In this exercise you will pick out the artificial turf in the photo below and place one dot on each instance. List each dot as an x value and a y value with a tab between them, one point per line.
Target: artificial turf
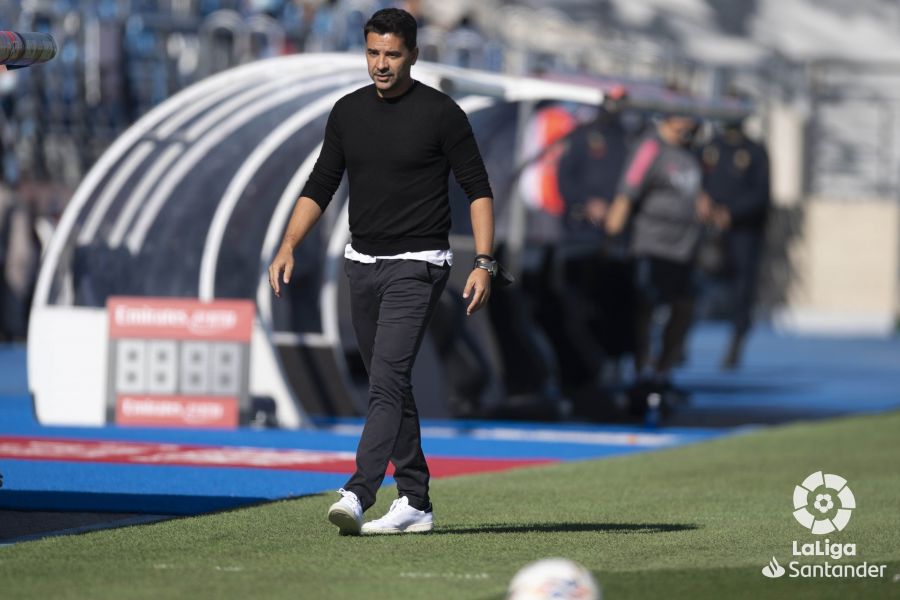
692	522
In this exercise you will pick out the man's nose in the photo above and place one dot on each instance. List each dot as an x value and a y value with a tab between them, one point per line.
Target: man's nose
381	63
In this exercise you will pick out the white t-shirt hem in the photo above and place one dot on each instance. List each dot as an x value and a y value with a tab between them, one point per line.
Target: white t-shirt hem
435	257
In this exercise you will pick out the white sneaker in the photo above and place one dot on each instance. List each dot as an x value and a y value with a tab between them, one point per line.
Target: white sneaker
346	513
401	518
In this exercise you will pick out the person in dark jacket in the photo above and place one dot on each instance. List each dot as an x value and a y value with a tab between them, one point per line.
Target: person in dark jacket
598	305
736	178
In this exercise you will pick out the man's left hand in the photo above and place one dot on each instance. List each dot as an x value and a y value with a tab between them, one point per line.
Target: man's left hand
595	210
721	218
478	287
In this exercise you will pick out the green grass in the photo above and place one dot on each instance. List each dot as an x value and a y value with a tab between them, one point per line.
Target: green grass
693	522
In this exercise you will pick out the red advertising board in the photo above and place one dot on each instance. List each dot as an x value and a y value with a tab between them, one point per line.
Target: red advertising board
182	319
168	411
178	362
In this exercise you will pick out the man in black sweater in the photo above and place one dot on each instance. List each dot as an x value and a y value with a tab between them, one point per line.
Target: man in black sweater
398	140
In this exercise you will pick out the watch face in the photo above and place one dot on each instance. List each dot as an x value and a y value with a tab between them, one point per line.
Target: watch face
489	266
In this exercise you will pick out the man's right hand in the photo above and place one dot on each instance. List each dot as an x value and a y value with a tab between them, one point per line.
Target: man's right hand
282	263
704	208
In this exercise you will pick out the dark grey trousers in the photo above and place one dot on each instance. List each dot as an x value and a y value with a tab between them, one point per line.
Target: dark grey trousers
391	302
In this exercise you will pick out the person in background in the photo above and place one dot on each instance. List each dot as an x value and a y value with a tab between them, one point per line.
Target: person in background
591	165
5	293
597	273
660	195
415	8
19	258
736	178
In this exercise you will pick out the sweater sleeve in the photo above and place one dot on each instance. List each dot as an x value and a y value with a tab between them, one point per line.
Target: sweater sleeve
328	171
461	149
637	172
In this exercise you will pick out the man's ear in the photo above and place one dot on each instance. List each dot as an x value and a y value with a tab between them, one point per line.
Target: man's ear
415	55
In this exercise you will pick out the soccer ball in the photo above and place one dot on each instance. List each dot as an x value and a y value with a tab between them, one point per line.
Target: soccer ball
553	579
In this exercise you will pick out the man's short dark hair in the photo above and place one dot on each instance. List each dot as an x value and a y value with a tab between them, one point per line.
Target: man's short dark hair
396	21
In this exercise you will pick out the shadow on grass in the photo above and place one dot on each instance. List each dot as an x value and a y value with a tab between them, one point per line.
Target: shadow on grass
565	528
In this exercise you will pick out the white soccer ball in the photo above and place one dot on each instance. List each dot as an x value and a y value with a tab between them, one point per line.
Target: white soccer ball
553	579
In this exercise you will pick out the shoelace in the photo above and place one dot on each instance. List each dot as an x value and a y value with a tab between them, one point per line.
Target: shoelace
398	502
348	494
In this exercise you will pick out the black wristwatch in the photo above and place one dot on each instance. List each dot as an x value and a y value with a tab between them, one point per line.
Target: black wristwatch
486	262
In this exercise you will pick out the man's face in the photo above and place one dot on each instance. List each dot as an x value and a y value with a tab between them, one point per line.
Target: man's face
389	63
682	128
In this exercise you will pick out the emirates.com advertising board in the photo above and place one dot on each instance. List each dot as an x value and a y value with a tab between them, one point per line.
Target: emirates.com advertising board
178	362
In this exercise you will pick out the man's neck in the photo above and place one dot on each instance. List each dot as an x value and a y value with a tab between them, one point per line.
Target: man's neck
396	91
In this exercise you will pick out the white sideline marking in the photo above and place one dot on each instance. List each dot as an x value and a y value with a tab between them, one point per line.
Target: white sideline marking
426	575
576	437
165	566
592	438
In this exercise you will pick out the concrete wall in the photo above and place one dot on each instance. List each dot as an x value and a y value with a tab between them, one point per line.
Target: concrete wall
847	263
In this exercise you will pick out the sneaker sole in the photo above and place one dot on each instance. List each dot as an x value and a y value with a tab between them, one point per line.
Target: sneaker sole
415	528
344	520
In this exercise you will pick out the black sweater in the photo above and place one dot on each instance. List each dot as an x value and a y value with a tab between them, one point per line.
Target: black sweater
398	153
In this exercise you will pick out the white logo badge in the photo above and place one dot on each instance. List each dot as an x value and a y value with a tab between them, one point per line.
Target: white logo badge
773	569
823	503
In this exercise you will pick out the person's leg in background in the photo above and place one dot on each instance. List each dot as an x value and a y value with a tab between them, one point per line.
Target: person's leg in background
745	249
676	284
645	287
681	314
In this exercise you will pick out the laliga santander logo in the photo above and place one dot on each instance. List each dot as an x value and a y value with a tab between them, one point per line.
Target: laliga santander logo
823	503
